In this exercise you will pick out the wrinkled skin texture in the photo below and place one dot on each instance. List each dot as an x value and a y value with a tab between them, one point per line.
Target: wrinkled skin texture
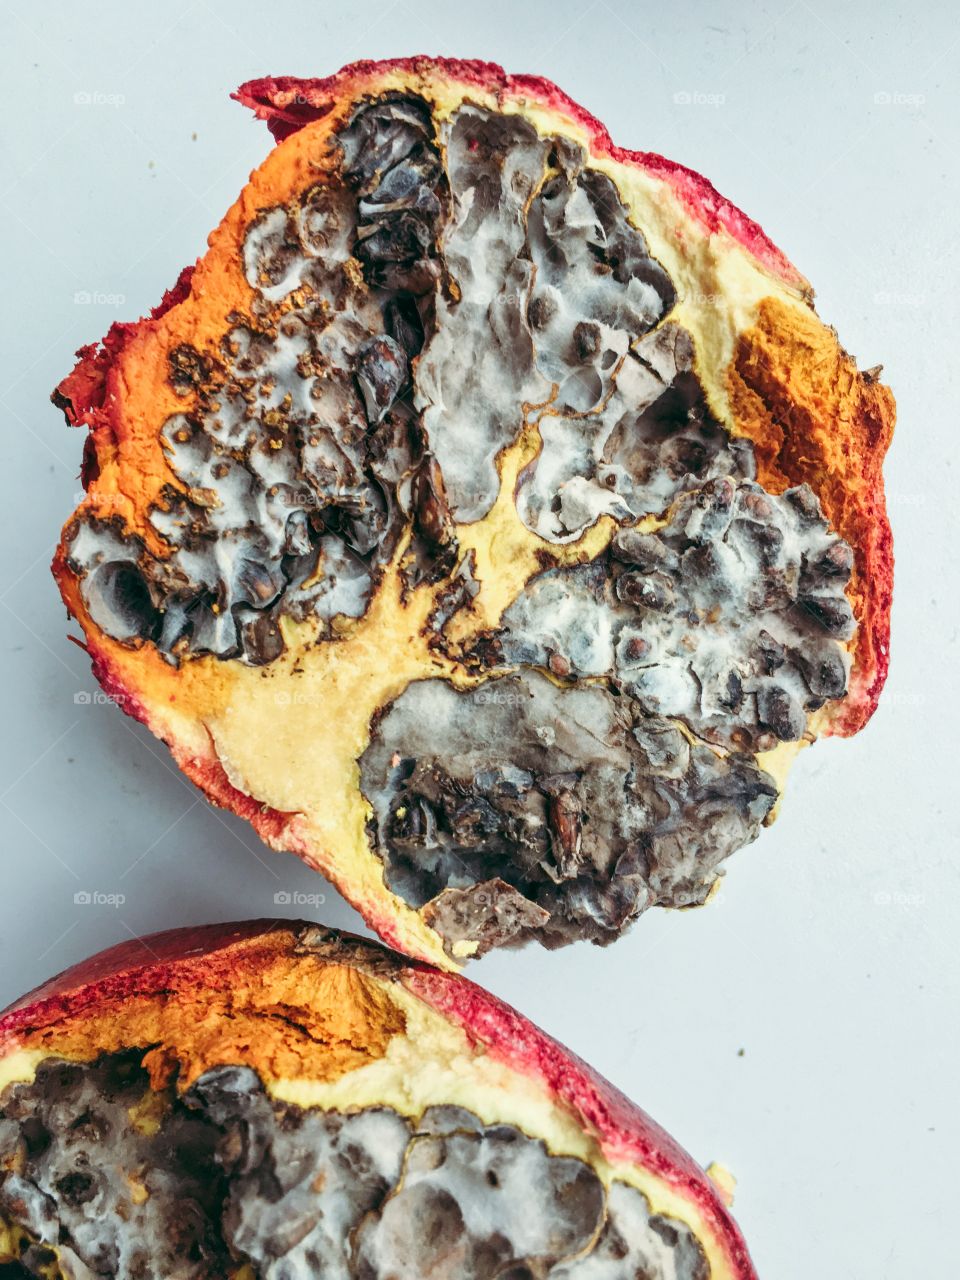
114	1180
463	292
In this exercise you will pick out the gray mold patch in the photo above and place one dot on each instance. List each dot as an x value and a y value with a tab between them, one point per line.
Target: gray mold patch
296	462
636	1244
521	808
478	367
561	805
553	285
111	1181
475	1203
300	1182
731	617
652	438
113	1198
404	317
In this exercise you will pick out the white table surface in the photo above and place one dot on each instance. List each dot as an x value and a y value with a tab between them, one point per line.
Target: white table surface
803	1029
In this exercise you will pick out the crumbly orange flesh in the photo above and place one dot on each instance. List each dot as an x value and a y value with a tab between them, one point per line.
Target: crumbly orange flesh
292	1017
289	735
813	417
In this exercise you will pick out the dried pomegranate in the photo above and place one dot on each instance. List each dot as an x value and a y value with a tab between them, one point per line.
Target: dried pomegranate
487	516
277	1103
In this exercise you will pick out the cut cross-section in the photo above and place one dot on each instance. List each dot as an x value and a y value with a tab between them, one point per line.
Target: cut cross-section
487	515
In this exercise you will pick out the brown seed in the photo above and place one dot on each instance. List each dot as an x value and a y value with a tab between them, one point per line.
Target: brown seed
835	562
541	311
636	649
558	664
644	550
586	341
430	504
805	502
831	612
564	816
779	712
645	591
757	504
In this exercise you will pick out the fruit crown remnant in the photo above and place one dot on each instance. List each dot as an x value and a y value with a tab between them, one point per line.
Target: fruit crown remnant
487	516
268	1103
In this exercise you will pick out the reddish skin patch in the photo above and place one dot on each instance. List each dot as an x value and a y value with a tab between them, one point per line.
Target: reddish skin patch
151	964
864	694
114	688
287	103
209	775
84	393
210	955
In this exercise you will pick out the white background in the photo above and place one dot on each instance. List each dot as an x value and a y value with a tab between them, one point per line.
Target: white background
804	1028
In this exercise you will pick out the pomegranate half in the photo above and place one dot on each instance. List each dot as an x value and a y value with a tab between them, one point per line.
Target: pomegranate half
273	1102
487	516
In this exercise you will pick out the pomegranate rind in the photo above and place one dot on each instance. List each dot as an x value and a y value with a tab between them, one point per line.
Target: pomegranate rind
75	1008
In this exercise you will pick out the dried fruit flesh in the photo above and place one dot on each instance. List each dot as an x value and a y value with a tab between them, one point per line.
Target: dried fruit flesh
488	517
183	1108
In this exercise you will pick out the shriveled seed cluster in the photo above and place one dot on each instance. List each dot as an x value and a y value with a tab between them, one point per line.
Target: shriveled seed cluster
527	806
297	464
126	1183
